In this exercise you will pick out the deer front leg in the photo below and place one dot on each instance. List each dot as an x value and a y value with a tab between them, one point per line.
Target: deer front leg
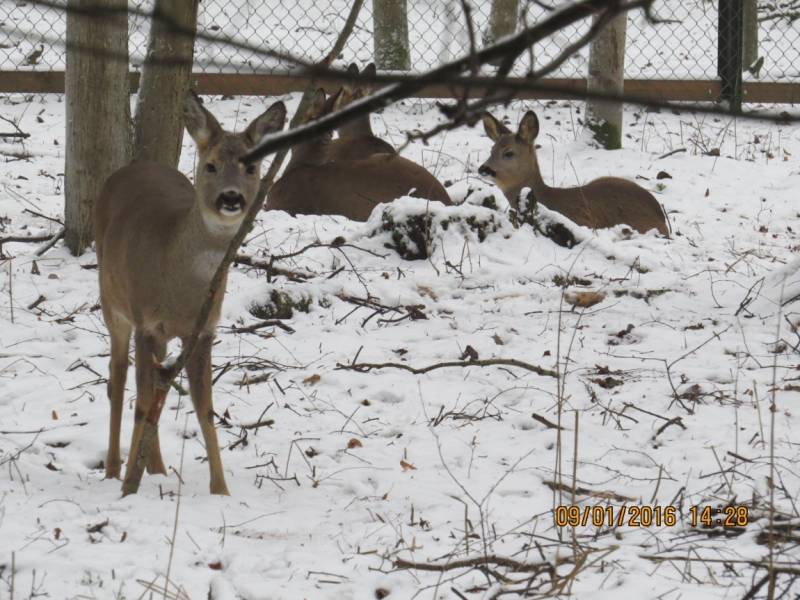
120	332
147	347
198	371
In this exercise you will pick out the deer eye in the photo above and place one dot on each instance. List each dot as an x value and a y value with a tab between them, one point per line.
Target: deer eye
251	169
210	168
508	154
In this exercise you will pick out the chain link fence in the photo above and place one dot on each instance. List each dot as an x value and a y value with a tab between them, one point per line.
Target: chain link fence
680	43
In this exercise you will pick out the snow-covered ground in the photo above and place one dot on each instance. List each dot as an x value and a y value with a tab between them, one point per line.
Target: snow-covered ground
672	375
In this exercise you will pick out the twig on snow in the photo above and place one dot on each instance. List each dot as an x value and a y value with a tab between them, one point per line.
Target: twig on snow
500	561
510	362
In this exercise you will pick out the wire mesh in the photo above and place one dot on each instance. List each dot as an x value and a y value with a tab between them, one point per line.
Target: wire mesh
677	41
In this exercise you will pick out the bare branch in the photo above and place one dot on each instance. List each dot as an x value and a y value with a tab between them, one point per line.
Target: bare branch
501	561
510	362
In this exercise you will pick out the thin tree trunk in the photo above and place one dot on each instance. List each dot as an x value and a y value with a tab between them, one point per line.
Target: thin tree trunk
607	76
391	34
750	40
97	110
166	75
502	22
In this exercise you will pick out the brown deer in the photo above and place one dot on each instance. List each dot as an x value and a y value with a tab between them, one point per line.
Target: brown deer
159	241
604	202
311	185
356	140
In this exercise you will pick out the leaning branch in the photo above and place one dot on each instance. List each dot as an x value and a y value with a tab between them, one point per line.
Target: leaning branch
508	362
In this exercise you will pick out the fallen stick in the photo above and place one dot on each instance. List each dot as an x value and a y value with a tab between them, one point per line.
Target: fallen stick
259	325
25	239
56	236
509	362
501	561
545	422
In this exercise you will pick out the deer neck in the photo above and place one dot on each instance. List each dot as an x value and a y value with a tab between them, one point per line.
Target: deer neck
531	178
360	126
199	244
310	154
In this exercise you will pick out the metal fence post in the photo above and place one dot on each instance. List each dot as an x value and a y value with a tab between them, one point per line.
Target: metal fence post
729	51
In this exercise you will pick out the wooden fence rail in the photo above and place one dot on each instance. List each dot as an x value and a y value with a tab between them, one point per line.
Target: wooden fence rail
235	84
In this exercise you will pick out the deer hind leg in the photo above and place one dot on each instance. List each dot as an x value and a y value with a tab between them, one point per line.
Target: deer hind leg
147	346
198	370
120	332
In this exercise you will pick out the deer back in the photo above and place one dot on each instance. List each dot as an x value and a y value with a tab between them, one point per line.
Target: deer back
350	188
607	202
357	147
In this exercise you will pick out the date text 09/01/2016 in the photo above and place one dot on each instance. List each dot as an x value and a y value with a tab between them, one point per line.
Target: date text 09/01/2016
647	516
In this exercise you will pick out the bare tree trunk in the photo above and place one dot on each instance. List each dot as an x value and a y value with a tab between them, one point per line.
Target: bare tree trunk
391	34
98	111
166	75
502	22
750	41
607	76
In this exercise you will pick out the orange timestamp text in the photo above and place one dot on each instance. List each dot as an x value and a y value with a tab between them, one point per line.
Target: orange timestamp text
648	516
632	516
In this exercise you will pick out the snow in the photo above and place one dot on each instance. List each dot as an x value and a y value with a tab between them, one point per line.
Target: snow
695	363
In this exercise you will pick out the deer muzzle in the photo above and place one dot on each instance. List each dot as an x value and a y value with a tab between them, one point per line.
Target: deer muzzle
230	203
486	171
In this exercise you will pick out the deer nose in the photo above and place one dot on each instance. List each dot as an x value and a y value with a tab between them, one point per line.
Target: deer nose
489	172
230	201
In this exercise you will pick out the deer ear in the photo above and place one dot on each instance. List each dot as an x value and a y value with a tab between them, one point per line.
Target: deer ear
493	128
200	123
333	103
317	105
269	121
351	78
369	71
342	98
528	127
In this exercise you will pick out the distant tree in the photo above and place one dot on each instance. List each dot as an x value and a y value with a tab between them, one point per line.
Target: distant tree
391	34
607	76
750	39
502	22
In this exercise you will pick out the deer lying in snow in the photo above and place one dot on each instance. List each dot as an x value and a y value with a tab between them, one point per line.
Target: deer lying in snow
356	140
604	202
311	185
159	243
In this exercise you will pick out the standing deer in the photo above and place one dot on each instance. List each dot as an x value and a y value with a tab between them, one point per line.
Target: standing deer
311	185
604	202
356	140
159	242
